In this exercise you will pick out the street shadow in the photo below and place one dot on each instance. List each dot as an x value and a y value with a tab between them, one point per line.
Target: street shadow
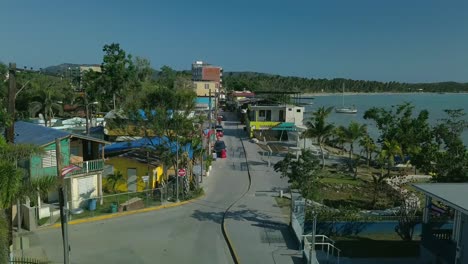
257	163
271	229
200	215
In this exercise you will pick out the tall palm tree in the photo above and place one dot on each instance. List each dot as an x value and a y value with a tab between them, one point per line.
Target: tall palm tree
390	149
340	138
47	101
353	132
369	146
318	128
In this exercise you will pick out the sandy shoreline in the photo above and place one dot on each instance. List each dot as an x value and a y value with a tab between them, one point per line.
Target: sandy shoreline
353	93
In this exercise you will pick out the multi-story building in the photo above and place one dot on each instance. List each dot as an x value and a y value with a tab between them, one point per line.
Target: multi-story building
207	80
205	88
202	71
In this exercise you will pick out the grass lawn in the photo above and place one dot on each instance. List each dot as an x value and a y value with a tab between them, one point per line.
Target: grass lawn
376	246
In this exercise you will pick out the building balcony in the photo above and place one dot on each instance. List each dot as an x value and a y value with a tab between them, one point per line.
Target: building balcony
439	242
89	166
86	167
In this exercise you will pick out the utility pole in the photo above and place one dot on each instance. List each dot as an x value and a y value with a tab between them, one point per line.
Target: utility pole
10	130
209	123
87	112
62	200
177	168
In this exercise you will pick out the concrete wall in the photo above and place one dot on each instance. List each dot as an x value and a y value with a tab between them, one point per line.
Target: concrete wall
122	164
295	114
79	196
202	90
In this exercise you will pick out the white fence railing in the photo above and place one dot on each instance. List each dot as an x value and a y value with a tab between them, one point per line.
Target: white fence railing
329	253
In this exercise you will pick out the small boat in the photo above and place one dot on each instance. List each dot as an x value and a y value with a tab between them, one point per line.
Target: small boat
345	109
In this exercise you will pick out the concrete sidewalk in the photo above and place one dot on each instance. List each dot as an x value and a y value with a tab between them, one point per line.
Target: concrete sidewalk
257	227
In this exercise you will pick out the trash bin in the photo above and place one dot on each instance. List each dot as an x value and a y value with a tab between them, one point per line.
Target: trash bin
215	155
113	207
92	204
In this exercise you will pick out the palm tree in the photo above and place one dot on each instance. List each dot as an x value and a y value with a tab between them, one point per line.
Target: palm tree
369	146
47	102
114	179
390	149
339	138
354	132
319	129
16	186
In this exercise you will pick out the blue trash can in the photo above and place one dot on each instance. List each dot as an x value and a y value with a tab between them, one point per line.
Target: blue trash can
92	205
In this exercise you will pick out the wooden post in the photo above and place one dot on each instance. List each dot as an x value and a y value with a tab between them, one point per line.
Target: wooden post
62	200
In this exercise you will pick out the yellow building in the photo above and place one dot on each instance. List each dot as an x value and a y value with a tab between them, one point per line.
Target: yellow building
133	166
203	88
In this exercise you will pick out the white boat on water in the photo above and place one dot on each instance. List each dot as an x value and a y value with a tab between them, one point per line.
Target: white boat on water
345	109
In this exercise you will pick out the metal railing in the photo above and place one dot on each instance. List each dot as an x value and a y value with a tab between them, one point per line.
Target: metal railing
26	260
86	167
327	246
89	166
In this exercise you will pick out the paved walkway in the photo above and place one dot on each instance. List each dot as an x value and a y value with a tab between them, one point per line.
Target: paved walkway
255	224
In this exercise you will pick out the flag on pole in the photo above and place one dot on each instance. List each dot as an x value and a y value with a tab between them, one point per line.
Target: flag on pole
69	168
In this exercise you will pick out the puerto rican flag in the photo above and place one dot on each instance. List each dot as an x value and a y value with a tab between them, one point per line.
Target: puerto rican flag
70	168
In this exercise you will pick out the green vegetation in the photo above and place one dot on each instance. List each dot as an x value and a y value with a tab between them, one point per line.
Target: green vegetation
266	82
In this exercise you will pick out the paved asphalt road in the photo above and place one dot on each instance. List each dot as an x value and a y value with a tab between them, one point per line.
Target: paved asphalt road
185	234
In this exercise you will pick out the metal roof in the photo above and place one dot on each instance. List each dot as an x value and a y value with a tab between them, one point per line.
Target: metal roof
29	133
454	195
142	156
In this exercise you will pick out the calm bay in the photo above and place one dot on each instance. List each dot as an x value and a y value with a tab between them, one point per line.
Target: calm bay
434	103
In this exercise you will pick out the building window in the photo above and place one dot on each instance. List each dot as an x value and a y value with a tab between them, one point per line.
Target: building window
261	113
298	110
49	159
289	109
207	86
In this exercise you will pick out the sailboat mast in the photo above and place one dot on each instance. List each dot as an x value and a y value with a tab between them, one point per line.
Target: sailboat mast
342	97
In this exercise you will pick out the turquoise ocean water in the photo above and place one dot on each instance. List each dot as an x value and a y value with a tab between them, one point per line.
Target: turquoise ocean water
434	103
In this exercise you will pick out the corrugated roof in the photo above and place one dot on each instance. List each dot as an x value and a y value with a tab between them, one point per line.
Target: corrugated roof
147	142
144	157
452	194
29	133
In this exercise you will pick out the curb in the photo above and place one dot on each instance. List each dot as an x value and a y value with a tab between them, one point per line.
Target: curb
234	255
115	215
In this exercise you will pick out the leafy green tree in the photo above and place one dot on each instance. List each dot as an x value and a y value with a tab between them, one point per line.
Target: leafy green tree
302	173
117	79
318	128
451	161
412	132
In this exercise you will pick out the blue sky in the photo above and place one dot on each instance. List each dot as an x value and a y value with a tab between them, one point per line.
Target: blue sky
397	40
